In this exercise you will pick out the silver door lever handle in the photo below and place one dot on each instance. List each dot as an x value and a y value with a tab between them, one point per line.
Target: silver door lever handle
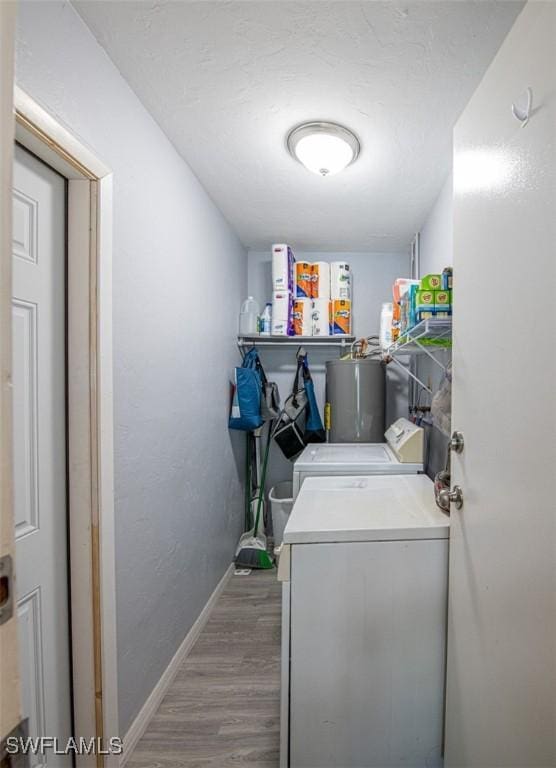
447	497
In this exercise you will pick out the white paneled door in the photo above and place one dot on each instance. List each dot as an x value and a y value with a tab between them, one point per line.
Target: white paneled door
39	396
501	686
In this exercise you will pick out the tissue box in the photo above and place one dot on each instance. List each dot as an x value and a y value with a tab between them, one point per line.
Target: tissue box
431	283
282	321
424	304
408	309
283	268
442	303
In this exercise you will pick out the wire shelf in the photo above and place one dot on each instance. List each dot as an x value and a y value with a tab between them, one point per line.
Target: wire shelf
295	341
428	337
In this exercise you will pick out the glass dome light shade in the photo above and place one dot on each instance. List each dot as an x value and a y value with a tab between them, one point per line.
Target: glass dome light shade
323	148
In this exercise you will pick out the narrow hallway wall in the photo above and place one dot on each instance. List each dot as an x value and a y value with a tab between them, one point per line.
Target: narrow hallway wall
179	276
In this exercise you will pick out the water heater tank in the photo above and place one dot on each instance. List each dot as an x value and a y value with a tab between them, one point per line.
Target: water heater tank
355	401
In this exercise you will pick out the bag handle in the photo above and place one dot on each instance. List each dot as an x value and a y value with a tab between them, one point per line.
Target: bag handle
301	356
302	365
298	375
262	374
250	359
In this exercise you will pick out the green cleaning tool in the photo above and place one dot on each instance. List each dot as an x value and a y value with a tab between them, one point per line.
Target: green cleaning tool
251	551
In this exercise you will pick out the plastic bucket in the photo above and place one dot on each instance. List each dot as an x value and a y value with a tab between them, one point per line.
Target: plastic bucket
281	503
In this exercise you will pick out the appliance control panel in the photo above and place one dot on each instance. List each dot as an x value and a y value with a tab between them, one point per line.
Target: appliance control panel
406	440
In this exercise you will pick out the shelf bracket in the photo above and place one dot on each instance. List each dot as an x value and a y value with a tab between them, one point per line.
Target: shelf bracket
427	351
410	374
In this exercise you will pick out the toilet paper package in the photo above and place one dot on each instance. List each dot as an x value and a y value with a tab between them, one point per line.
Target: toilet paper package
320	280
320	318
424	304
282	314
340	280
303	280
283	275
341	317
303	317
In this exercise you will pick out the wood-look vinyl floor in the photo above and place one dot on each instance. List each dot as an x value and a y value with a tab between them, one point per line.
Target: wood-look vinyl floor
223	708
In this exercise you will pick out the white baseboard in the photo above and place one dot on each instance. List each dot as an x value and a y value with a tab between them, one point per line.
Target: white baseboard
139	725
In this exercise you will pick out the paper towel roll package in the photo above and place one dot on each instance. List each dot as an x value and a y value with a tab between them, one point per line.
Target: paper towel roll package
282	314
303	280
320	318
303	317
340	317
340	280
320	271
283	275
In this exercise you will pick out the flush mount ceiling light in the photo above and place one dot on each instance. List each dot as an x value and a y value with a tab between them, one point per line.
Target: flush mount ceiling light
324	148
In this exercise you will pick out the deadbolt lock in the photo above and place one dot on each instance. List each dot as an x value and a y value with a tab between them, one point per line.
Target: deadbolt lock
457	442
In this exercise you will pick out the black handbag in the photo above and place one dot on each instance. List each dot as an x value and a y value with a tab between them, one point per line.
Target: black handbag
270	397
289	432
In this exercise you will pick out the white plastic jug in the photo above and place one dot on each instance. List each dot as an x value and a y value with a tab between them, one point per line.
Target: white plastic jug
249	317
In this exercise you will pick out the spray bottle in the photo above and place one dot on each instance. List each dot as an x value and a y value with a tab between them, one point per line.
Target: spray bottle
265	321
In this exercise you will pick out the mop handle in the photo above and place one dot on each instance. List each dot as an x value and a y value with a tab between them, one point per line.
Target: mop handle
263	479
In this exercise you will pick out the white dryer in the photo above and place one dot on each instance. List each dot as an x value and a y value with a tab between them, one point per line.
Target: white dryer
365	576
402	453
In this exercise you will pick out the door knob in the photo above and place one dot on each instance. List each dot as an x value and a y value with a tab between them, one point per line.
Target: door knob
447	497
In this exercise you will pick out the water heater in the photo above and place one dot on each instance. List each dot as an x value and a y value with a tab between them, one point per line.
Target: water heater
355	401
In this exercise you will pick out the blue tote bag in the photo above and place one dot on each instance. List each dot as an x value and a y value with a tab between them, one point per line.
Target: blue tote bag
314	430
246	394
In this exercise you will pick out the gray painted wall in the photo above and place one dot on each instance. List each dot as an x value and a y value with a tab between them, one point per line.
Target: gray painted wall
373	275
437	233
179	276
437	247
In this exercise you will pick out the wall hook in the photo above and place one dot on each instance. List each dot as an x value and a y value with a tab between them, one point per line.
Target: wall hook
521	108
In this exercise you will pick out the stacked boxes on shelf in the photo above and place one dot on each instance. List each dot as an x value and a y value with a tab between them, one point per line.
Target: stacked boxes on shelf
417	300
283	285
309	299
434	299
401	288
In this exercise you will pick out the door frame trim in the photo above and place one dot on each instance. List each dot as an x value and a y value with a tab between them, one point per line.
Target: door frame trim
90	419
10	688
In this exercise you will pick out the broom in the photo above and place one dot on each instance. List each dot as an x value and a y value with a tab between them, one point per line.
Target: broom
251	551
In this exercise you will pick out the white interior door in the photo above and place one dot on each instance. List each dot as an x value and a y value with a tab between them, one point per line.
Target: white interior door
40	483
501	686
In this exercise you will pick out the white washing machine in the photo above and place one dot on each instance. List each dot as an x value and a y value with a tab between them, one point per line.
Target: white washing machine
365	572
402	453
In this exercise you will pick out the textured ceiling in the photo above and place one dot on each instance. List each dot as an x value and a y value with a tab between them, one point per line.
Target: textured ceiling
227	80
